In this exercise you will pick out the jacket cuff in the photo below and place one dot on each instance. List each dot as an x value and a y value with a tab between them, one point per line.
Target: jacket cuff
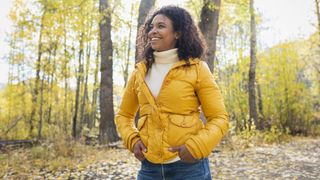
132	141
195	149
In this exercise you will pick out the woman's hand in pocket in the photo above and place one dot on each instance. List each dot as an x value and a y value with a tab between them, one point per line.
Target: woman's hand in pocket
184	154
138	148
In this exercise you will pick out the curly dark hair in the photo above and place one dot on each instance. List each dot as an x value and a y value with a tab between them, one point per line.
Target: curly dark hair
190	44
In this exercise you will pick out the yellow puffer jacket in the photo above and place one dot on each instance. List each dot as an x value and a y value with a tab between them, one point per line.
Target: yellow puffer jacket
172	119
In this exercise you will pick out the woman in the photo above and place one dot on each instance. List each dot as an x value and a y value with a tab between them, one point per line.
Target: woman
169	86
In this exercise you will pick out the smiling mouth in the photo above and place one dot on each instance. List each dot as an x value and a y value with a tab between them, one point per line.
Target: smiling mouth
154	39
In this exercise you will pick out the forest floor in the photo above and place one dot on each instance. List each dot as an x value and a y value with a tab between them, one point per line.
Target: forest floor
298	158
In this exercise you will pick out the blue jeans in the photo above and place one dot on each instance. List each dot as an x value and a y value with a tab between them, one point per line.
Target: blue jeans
175	171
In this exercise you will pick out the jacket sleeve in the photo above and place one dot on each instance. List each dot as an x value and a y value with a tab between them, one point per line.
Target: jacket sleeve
201	144
124	119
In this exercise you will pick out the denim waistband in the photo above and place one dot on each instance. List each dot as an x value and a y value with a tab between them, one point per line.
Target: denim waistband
198	170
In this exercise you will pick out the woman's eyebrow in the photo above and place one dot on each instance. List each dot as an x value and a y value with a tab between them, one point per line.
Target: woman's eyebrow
161	23
158	23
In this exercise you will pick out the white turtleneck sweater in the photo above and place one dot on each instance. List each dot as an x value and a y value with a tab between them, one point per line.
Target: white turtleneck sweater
162	63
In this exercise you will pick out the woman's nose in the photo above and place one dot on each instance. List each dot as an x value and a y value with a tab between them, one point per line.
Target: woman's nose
153	30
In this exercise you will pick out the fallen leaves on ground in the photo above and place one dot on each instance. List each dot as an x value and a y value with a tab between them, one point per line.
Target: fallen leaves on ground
297	159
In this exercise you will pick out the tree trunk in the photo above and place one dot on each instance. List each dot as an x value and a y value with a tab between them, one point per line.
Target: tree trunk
252	70
262	120
260	106
126	65
289	121
144	8
107	127
92	119
37	80
209	25
87	115
318	15
66	84
41	107
52	77
85	101
79	74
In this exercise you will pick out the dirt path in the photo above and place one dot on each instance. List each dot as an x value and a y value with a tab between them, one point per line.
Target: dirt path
299	159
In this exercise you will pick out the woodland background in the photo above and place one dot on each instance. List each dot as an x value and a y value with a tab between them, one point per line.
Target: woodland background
69	61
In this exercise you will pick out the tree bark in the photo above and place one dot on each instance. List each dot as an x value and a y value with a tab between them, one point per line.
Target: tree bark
38	66
209	25
126	65
262	119
252	70
93	115
77	97
65	74
318	15
144	8
41	107
52	78
85	101
108	133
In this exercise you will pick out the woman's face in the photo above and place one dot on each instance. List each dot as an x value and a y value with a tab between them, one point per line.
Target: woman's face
162	35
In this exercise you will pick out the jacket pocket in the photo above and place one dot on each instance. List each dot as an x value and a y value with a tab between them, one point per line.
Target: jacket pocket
142	127
181	127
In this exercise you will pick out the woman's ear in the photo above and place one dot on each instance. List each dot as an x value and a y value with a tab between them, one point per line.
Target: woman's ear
178	34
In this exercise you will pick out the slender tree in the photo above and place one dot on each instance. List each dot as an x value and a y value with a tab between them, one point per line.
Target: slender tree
209	25
318	15
77	95
107	127
93	115
317	66
85	98
38	66
51	77
260	106
65	72
41	104
252	70
125	67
